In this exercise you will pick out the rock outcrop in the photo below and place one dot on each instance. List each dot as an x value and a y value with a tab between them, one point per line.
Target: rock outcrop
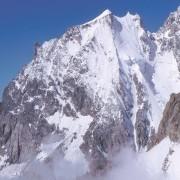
170	124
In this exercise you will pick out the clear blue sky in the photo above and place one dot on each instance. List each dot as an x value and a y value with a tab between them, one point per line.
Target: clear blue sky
23	22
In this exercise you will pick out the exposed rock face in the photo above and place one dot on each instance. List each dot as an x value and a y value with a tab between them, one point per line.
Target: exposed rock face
103	140
22	126
166	162
170	123
142	124
100	87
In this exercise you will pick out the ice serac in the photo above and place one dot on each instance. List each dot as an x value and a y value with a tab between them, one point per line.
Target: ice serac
88	94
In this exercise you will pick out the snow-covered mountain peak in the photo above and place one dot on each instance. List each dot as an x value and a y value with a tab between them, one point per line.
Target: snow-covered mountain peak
107	17
104	13
101	85
103	16
132	16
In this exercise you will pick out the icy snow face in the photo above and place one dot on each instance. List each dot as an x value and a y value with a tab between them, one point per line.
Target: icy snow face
166	77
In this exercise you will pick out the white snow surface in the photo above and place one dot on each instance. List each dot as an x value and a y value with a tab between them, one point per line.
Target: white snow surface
156	158
74	132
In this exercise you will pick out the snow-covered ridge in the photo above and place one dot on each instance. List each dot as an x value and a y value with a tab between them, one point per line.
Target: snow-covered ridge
105	13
